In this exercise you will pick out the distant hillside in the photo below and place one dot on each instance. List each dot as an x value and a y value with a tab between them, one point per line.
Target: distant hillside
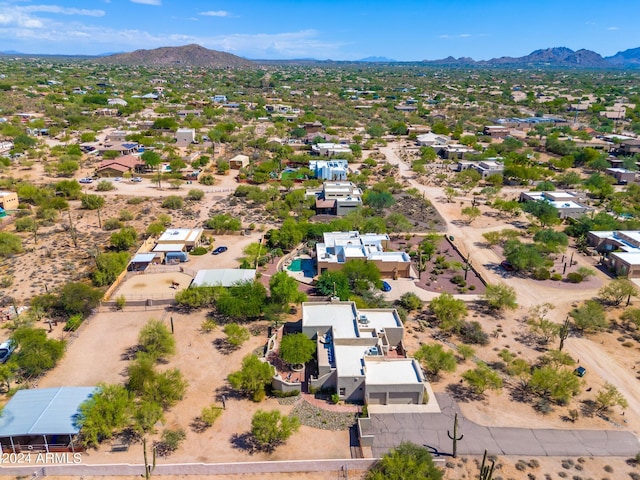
186	56
559	57
377	60
627	58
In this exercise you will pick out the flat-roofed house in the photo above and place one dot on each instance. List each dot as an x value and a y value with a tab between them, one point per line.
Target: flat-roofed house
185	136
340	247
8	200
360	354
621	249
184	238
338	198
329	169
622	175
569	204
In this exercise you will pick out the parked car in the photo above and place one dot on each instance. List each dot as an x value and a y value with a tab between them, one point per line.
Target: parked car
385	286
117	179
86	180
136	179
6	349
219	250
507	266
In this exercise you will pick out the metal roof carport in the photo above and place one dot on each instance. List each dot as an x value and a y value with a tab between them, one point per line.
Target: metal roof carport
42	412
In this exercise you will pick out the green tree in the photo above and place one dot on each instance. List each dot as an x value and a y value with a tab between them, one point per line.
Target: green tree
76	297
543	211
69	189
524	256
270	429
410	301
36	353
378	200
108	266
146	414
501	296
362	275
470	214
333	283
92	202
589	317
236	334
297	349
107	411
224	221
243	300
407	461
434	359
252	377
123	240
557	384
287	236
152	160
608	397
284	290
482	378
449	311
156	339
195	194
618	290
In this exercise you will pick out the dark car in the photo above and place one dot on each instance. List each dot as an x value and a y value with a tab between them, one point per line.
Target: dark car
219	250
386	287
507	266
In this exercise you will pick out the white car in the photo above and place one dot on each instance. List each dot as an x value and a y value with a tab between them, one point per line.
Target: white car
86	180
136	179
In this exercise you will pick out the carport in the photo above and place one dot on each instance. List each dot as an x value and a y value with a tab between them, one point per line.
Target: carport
42	420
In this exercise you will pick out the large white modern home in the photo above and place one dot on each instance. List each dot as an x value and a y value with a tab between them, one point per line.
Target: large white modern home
340	247
622	249
569	204
337	198
361	355
329	169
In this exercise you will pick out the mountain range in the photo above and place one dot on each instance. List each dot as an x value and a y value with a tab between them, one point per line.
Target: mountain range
197	56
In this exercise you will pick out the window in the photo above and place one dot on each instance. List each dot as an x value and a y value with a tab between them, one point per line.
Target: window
343	392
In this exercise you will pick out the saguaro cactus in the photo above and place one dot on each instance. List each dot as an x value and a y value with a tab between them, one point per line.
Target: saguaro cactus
148	469
455	437
486	471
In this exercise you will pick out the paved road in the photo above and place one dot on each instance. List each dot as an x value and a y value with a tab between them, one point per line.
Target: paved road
430	429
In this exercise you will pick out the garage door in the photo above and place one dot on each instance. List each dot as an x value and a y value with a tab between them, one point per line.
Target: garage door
377	398
403	397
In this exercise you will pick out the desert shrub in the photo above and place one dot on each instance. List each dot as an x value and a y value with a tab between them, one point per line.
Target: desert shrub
25	224
173	202
458	280
105	186
121	301
208	325
556	277
195	194
472	287
542	274
472	333
574	277
112	224
198	251
171	440
135	201
73	323
210	414
125	215
207	180
335	398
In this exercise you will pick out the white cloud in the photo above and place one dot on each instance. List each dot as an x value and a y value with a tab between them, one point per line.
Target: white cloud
613	28
460	35
215	13
62	10
148	2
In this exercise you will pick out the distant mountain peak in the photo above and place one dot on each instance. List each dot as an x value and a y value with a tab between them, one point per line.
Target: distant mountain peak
185	56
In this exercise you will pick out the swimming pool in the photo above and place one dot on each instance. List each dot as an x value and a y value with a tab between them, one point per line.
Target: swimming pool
302	265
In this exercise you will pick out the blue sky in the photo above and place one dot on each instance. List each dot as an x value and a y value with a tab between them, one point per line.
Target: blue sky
322	29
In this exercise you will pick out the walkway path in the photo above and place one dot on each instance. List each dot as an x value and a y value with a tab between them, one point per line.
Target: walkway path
430	429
